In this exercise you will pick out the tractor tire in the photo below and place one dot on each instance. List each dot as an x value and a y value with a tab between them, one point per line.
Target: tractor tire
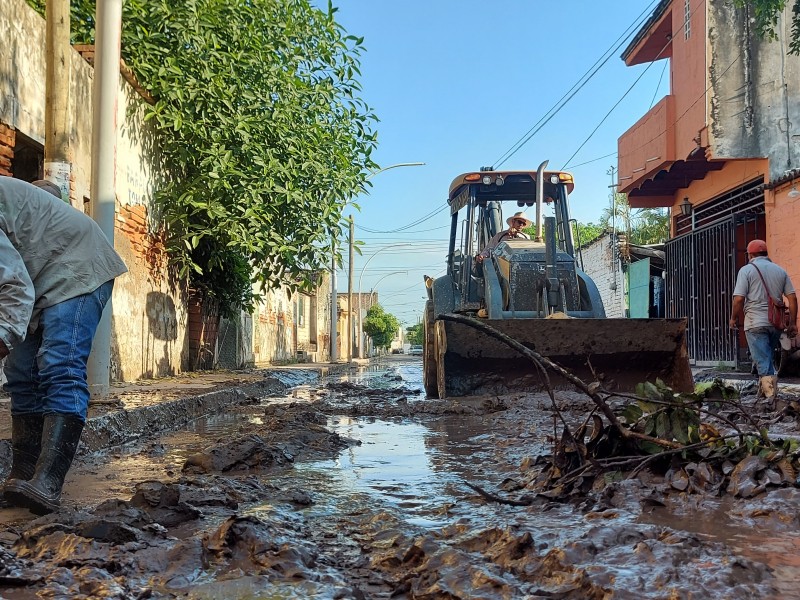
429	370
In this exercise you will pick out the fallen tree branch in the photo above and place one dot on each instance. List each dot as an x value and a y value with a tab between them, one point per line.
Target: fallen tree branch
589	390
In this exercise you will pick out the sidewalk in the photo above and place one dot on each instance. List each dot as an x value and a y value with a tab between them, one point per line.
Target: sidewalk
133	410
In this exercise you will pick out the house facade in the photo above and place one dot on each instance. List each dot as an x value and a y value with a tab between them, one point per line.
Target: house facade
153	314
349	320
721	151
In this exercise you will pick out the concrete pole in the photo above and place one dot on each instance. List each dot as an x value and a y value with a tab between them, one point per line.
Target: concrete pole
334	304
57	167
350	335
108	27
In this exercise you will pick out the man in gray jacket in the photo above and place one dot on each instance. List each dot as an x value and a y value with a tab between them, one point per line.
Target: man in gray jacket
57	271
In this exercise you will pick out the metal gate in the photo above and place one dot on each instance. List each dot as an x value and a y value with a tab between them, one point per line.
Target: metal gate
701	272
701	267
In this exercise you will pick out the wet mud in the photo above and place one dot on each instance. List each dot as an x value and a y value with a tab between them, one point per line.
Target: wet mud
357	487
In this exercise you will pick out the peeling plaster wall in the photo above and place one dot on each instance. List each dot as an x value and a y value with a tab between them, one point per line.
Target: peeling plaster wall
279	333
755	110
22	68
149	316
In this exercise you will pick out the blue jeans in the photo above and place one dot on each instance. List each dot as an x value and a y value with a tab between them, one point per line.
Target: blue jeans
762	342
46	373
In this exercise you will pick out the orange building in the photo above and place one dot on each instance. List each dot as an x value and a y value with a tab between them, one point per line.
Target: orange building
722	151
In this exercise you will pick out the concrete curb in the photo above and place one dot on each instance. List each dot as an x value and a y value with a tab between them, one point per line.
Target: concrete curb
125	426
121	427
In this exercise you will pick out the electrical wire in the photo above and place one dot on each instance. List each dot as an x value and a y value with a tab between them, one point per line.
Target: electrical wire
422	219
658	85
577	86
593	160
617	103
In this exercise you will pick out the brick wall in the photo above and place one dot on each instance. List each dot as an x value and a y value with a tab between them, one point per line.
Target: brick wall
7	142
600	263
146	246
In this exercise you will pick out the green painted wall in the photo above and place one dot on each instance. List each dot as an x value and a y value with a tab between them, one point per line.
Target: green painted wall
639	289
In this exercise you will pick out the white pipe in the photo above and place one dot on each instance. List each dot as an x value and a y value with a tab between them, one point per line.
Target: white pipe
108	27
334	305
540	199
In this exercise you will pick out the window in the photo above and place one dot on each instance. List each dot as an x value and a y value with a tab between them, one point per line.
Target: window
301	311
687	19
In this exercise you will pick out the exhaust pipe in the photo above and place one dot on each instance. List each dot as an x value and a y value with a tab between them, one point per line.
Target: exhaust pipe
540	199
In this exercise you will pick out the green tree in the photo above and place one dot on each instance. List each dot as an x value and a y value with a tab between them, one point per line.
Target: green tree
260	129
415	334
380	326
641	225
583	233
766	14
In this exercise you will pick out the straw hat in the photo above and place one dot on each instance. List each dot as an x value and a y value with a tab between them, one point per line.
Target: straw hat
519	215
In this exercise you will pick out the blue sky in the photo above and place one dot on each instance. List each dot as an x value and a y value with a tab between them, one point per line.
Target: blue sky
455	84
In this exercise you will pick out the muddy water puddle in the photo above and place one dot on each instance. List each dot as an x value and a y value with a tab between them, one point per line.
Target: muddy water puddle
767	539
366	497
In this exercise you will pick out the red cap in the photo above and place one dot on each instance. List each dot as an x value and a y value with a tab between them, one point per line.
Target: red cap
756	246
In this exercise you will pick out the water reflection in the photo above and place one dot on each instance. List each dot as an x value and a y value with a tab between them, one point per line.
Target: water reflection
391	462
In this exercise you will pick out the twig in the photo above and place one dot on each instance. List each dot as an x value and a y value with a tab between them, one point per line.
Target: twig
576	381
494	498
735	403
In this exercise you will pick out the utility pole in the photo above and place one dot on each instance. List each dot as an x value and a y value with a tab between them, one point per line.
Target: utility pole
108	27
350	335
334	303
57	167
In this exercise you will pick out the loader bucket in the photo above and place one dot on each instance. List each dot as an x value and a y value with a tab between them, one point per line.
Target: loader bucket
619	353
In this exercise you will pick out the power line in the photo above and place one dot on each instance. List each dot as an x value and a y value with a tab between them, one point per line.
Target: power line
410	225
577	86
658	85
617	103
593	160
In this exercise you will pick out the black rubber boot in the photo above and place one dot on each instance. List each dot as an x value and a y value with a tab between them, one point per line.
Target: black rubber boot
42	494
26	442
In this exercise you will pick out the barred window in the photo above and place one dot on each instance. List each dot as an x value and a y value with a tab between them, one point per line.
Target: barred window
687	19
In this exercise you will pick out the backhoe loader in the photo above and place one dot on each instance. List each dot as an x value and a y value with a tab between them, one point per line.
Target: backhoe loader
533	291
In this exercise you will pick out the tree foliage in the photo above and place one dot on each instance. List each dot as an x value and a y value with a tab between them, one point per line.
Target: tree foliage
767	13
415	334
261	130
641	225
380	326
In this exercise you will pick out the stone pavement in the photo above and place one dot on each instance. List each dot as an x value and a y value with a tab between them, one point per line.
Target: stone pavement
133	410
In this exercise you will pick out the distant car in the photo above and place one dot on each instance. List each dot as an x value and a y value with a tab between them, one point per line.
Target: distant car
415	350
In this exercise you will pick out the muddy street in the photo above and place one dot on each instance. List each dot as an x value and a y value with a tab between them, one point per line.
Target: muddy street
356	486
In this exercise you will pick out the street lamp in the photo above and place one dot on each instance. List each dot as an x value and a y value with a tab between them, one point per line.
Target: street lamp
360	277
361	340
334	292
408	164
